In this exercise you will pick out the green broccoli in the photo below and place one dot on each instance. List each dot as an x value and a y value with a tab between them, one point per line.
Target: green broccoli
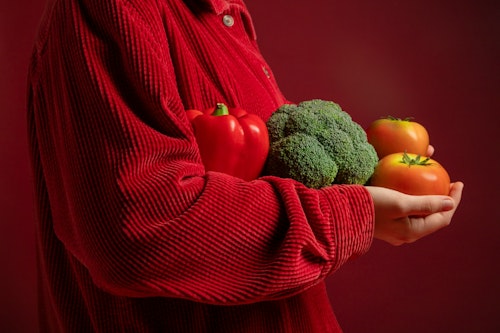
318	144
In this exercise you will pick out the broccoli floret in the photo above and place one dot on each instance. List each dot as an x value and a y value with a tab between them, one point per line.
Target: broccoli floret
318	144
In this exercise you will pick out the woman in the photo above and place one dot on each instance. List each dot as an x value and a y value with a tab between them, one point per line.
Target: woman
133	234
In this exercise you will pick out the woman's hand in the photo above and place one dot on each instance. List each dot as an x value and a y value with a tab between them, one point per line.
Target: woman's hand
402	218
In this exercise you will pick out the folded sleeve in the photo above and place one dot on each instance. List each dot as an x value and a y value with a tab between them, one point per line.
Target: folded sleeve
129	196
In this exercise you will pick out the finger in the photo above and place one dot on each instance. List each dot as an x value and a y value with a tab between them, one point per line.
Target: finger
424	226
456	190
423	205
430	150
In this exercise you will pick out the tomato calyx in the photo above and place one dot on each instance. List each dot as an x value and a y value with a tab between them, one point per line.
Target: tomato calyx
399	119
417	160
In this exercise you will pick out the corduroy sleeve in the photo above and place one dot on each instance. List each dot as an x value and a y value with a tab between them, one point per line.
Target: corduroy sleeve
129	196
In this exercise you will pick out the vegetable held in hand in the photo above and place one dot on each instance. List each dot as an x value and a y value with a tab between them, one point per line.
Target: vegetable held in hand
318	144
393	135
231	140
411	174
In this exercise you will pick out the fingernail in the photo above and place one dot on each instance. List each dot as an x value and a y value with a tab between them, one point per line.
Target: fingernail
448	204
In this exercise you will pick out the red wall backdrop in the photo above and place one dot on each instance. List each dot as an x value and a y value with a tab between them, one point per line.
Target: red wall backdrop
438	61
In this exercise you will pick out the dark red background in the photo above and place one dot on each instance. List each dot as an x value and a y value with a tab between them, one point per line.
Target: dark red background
437	61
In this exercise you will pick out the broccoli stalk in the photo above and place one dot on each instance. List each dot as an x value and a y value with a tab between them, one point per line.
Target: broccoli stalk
318	144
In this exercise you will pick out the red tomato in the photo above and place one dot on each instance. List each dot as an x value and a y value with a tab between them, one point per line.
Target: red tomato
411	174
392	135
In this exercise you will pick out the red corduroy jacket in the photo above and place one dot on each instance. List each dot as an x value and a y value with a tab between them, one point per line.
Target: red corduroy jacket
133	234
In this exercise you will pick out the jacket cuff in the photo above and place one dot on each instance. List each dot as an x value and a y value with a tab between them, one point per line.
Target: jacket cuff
352	217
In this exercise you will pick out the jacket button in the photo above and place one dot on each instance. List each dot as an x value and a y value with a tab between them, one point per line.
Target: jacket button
228	20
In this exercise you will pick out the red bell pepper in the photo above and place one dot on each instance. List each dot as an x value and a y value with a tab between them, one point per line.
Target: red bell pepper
231	140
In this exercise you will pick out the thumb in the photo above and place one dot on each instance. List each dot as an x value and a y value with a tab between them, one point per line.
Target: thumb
428	204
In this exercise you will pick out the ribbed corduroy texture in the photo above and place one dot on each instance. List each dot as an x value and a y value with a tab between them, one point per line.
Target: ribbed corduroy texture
133	235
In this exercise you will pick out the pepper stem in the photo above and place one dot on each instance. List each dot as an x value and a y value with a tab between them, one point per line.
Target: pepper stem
220	110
